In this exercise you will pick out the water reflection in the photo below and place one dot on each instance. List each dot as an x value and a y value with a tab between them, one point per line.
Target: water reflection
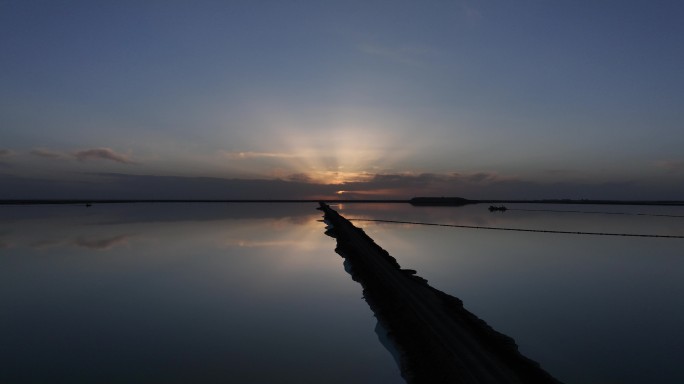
255	293
102	244
588	308
180	293
91	243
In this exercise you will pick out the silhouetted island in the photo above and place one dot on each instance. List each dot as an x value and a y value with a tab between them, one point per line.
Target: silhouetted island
438	340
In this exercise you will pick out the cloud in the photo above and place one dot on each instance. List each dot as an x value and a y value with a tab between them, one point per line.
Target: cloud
84	155
125	186
4	153
102	154
406	185
490	185
300	177
46	244
48	154
423	180
255	155
671	165
479	185
476	178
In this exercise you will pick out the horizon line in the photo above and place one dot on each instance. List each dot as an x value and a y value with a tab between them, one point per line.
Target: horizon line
433	201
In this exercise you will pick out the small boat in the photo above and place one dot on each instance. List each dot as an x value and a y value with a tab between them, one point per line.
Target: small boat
500	208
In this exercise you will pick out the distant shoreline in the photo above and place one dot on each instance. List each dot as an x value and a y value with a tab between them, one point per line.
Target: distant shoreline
416	201
136	201
459	201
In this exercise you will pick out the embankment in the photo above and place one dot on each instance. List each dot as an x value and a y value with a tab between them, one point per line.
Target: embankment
438	339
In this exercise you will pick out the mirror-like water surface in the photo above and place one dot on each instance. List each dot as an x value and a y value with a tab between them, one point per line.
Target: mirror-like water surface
255	292
590	309
242	293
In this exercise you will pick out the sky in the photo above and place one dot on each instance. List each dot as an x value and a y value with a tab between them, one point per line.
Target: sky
347	99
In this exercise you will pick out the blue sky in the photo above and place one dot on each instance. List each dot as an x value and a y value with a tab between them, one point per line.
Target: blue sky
481	99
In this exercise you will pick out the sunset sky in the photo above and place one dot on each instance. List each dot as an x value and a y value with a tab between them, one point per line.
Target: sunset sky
310	99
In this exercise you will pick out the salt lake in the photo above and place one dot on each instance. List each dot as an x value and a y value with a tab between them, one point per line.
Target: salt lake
248	292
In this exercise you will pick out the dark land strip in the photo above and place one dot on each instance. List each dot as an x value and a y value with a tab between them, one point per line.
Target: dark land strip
459	201
131	201
439	341
416	201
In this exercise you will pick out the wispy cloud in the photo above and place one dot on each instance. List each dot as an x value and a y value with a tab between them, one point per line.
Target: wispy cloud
47	244
103	154
48	154
430	184
671	165
255	155
5	153
426	179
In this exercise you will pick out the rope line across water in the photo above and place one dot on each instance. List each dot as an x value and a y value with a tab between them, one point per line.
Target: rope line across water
594	212
522	229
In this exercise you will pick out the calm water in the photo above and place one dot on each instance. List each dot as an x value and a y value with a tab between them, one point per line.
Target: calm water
255	293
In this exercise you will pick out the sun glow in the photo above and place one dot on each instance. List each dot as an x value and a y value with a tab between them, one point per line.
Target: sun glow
342	155
352	149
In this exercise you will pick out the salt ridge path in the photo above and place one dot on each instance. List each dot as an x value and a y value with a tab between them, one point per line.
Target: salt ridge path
439	341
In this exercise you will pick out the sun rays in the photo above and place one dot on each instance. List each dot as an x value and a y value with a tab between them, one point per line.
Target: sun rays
343	153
